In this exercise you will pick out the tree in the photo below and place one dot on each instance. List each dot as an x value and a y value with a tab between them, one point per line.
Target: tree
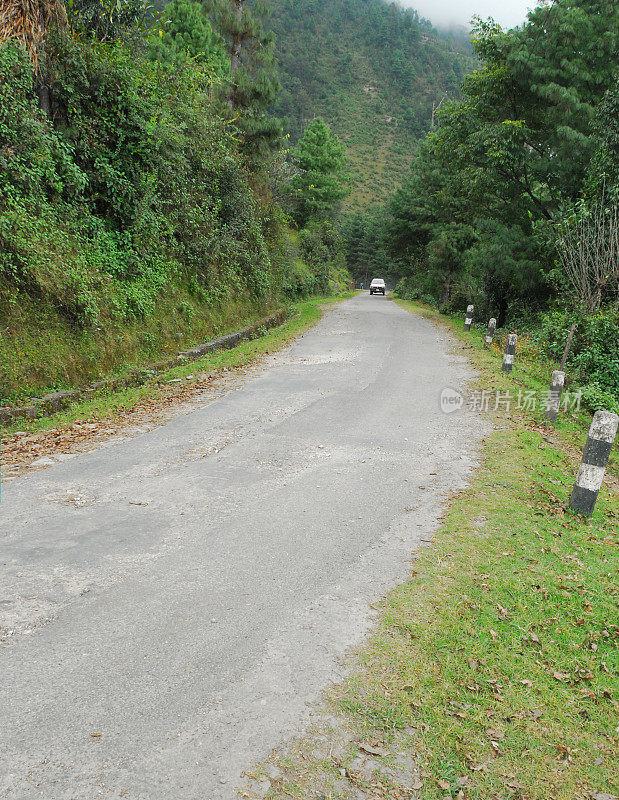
29	23
445	259
518	147
187	34
588	247
253	84
604	177
321	182
105	20
364	235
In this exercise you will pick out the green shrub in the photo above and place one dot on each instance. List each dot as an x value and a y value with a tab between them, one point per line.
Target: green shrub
407	289
34	161
596	398
138	184
594	356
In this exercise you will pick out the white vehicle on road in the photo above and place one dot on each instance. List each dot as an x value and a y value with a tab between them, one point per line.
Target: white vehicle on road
378	286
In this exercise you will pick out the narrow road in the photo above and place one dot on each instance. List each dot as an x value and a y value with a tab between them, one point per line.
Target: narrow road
173	605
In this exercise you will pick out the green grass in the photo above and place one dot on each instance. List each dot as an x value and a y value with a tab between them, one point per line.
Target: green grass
496	664
487	651
106	404
41	351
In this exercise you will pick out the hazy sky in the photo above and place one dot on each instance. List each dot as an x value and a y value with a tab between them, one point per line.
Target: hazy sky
506	12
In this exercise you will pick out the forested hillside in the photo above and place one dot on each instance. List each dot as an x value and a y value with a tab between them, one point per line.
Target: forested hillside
374	71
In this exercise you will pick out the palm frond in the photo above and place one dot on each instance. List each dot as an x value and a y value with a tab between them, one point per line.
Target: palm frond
28	21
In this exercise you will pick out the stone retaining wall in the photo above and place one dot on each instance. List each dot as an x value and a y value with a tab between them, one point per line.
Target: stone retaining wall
56	401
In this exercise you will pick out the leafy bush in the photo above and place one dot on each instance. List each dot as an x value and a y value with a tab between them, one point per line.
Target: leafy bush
594	356
407	289
597	354
137	184
34	162
322	249
596	399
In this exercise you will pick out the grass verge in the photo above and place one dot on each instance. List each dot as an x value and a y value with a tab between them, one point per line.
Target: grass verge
106	405
495	666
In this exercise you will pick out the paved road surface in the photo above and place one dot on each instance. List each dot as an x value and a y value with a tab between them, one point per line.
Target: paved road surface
186	595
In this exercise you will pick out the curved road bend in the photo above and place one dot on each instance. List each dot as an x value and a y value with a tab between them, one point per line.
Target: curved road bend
175	604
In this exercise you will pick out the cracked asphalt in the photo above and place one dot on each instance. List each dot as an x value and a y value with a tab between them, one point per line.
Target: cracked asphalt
173	606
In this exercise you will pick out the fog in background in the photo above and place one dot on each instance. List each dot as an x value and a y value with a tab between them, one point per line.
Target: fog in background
507	13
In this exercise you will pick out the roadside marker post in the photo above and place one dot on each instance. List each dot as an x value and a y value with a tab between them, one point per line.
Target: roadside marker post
594	460
468	320
554	396
510	352
490	332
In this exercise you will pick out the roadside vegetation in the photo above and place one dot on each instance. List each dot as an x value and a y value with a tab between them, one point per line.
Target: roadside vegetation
494	667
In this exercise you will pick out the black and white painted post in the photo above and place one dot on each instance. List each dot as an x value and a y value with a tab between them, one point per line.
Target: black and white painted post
468	320
594	460
510	352
490	332
554	396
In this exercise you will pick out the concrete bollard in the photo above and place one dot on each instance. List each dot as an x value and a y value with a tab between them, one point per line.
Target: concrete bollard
510	352
554	395
594	460
469	318
490	332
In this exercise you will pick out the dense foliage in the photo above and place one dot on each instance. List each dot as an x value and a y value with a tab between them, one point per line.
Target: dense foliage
187	34
508	157
139	196
366	247
138	182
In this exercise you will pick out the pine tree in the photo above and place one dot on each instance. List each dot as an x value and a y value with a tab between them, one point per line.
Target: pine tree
321	182
253	84
188	34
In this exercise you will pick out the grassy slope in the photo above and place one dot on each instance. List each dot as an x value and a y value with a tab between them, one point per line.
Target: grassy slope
379	153
495	666
40	350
